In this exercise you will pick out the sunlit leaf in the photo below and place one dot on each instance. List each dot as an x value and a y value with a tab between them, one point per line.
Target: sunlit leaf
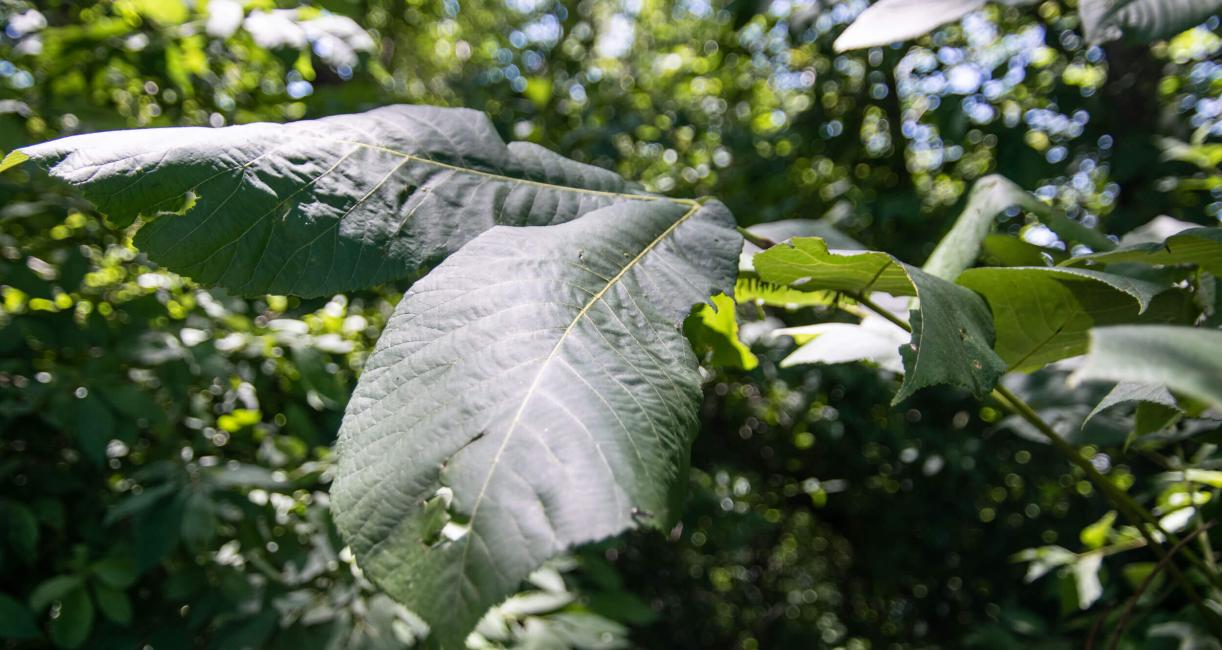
952	340
538	385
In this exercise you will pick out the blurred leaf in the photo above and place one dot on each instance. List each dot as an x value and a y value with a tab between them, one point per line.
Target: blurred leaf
53	589
20	530
874	340
1199	246
95	427
1185	359
958	250
1142	20
115	604
16	622
116	572
1095	535
71	627
888	21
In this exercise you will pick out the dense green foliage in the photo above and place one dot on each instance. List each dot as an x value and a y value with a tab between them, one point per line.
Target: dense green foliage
167	448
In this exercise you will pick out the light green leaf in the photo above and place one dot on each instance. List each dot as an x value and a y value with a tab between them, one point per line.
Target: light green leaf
1142	20
1199	246
952	340
1187	360
12	159
71	627
715	327
321	206
1005	250
16	622
1042	314
1095	535
539	380
749	289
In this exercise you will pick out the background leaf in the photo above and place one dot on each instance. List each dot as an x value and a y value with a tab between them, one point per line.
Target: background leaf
1185	359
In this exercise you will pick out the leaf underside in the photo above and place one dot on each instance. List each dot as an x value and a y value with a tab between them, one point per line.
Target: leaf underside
321	206
1043	314
1187	360
532	393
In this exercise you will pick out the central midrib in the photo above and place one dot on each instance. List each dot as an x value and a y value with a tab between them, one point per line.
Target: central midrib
530	392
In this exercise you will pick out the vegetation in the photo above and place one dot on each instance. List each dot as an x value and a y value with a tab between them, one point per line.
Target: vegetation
227	425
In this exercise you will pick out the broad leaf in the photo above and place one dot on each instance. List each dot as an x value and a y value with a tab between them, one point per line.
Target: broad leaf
1197	246
952	339
533	392
16	622
1142	20
1042	314
321	206
70	628
1156	407
889	21
1187	360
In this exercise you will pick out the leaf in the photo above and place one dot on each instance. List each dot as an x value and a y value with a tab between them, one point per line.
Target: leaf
71	627
16	622
95	427
952	340
715	327
1142	20
321	206
115	604
1199	246
1004	250
1187	360
20	530
53	589
1042	314
874	340
1085	571
12	159
539	378
1095	535
117	572
890	21
958	250
1125	393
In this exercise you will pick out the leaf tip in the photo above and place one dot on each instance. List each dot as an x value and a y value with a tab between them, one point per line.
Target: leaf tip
13	159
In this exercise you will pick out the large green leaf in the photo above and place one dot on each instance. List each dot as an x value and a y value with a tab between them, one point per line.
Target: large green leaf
321	206
960	247
1042	314
1187	360
952	332
1198	246
1142	20
531	393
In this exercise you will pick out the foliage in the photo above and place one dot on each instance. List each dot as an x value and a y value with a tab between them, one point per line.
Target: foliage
241	502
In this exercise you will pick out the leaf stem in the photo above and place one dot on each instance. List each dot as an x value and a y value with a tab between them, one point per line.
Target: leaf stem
1131	510
762	242
1134	512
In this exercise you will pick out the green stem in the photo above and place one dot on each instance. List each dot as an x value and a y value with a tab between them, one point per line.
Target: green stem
1131	510
1134	512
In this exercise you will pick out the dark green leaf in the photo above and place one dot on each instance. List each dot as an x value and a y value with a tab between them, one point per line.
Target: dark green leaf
53	589
538	383
70	626
16	622
115	604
